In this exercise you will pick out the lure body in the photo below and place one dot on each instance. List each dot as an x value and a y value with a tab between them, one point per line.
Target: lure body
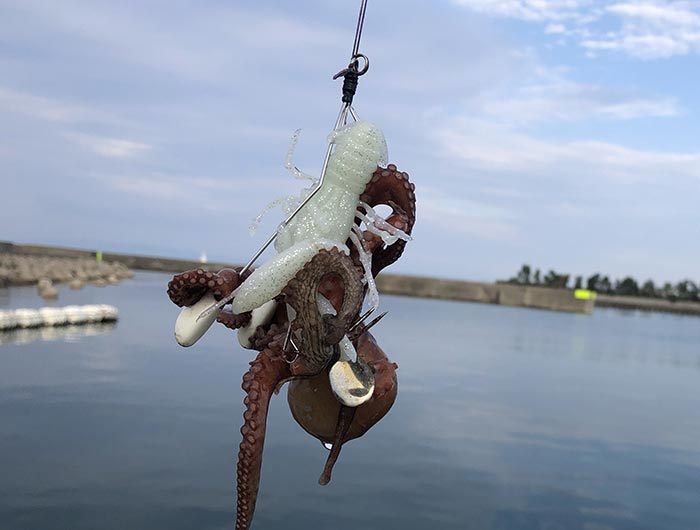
326	221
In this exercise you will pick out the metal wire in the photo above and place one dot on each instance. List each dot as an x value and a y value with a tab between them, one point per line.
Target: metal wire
358	31
340	121
342	118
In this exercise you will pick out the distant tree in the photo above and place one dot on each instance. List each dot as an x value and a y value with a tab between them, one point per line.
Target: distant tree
686	290
592	282
524	275
550	279
554	279
627	287
648	290
668	292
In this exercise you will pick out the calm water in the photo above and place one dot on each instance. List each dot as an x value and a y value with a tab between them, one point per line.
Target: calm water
506	419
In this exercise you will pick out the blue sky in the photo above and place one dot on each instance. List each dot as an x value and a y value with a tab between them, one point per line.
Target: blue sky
562	133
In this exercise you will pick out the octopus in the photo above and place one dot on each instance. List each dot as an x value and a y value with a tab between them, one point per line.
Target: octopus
310	334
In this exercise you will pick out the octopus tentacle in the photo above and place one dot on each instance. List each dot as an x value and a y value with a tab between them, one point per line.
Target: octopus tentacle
319	332
345	417
232	278
187	288
268	337
392	187
259	383
233	320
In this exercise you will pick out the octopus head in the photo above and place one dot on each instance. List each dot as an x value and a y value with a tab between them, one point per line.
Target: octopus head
359	148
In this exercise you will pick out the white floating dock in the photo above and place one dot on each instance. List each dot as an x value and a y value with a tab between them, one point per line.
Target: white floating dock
57	316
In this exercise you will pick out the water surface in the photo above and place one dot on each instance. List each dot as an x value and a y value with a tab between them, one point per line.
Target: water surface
506	418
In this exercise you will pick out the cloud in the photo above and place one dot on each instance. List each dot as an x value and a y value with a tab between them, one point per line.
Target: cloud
652	30
195	192
678	14
197	45
109	147
531	10
645	30
560	99
485	146
467	218
48	109
555	29
567	203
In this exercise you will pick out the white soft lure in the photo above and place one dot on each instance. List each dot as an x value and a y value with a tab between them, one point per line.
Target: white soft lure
328	219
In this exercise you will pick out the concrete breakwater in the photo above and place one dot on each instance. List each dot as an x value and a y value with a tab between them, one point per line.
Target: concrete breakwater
487	293
125	261
19	268
504	294
638	303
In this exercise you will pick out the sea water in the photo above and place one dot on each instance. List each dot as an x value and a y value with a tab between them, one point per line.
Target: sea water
506	418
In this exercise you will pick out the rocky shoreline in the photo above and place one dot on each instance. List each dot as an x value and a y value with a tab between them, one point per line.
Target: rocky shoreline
45	271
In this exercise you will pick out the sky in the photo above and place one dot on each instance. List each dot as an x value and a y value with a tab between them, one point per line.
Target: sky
560	133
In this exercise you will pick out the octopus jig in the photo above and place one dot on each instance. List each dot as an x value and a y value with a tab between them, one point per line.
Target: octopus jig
301	309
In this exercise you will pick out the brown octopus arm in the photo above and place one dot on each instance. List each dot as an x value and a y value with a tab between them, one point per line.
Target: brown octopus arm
233	320
187	288
391	187
345	417
259	383
317	332
269	369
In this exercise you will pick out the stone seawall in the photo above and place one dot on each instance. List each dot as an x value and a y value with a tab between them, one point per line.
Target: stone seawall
146	263
490	293
637	303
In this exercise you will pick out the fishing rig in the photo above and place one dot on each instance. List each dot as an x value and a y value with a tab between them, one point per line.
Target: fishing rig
357	67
